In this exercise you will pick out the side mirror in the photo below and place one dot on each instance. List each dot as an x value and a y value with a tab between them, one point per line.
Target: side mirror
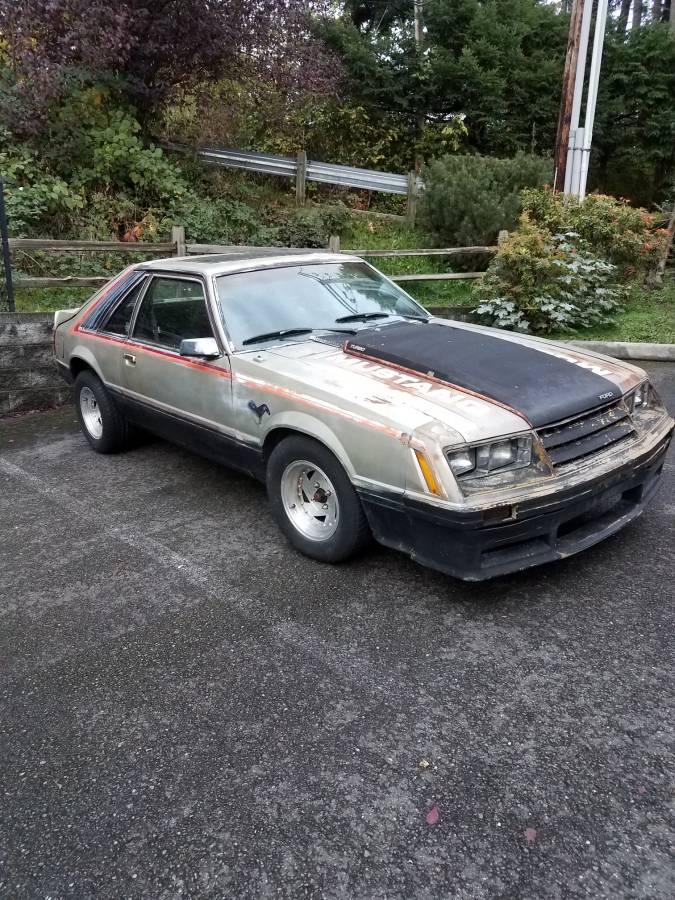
204	348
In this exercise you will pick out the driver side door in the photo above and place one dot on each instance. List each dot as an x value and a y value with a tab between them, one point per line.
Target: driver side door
188	400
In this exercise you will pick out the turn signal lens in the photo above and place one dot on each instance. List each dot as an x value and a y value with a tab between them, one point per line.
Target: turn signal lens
427	473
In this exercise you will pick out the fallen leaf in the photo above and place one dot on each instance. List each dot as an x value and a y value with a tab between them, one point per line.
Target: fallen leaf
424	764
530	835
432	816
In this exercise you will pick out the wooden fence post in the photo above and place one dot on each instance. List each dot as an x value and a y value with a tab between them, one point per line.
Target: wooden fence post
178	239
411	207
334	243
6	261
300	179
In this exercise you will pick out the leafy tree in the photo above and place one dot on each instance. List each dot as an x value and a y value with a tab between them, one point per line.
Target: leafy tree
149	47
497	65
634	136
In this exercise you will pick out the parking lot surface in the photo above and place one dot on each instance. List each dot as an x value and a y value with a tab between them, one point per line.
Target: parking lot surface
189	708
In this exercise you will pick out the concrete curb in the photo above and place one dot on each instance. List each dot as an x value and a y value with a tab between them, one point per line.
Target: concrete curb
628	350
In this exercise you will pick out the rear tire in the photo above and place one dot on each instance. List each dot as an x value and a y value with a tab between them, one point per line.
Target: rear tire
103	425
314	502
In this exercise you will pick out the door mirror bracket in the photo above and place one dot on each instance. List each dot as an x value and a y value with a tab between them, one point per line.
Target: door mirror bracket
203	348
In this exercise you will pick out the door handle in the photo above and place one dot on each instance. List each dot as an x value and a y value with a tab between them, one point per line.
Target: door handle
129	359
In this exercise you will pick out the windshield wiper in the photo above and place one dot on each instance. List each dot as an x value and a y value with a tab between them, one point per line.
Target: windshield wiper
271	335
363	317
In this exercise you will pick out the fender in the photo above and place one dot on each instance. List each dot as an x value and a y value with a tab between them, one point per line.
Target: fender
307	424
79	351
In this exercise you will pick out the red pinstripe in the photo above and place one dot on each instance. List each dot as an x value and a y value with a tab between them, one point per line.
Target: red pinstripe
209	368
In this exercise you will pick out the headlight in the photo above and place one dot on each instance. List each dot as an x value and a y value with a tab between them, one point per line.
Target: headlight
639	398
495	457
644	404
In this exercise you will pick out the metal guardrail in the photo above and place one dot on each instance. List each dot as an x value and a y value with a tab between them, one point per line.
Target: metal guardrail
327	173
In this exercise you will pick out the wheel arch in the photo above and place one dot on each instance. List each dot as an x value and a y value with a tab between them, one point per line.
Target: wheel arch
300	424
82	360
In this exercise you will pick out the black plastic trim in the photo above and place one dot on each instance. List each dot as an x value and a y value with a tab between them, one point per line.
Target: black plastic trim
195	436
64	371
469	547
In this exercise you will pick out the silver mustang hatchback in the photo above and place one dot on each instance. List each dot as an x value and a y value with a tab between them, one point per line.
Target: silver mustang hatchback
475	451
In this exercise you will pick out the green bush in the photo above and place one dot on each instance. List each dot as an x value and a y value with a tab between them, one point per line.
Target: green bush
100	148
606	226
543	282
468	200
220	222
307	227
35	199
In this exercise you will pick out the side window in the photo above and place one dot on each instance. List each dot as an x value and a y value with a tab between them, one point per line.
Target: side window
172	310
120	320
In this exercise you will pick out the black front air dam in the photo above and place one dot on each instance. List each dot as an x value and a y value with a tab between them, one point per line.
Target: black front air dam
545	530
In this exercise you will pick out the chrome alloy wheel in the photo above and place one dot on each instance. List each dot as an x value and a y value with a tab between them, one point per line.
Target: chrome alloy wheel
309	500
91	414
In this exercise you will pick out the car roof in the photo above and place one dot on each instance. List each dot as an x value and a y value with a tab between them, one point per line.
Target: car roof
240	259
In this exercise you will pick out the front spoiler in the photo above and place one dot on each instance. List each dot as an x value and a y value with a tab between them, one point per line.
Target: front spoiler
544	530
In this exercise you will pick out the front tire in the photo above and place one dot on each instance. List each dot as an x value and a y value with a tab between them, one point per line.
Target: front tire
101	422
313	501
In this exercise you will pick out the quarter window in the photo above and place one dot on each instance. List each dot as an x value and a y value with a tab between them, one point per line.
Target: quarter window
120	320
173	310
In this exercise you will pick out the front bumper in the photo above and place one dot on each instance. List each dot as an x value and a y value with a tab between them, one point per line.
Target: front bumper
543	530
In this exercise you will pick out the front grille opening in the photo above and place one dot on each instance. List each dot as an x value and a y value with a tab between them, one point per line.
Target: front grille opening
530	548
587	434
612	507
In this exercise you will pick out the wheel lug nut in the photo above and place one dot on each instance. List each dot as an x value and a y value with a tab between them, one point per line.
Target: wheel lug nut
292	505
325	506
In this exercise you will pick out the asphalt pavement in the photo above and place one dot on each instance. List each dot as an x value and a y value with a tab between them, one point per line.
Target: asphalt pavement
189	708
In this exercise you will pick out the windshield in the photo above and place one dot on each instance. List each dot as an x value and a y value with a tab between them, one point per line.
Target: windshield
335	296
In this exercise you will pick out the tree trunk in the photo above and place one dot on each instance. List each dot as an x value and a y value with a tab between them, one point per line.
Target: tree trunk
672	14
656	11
623	14
637	14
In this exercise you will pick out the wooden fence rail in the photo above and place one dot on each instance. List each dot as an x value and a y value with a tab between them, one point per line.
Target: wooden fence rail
89	246
178	247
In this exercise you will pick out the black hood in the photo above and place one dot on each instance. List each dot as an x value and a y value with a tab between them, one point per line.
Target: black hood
540	386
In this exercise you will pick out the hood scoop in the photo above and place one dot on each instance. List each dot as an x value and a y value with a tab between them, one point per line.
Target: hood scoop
539	386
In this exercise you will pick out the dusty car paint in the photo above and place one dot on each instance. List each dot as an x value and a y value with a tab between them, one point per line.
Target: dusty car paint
371	415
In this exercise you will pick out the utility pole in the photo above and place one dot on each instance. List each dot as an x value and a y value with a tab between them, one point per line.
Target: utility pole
573	144
569	77
419	117
580	139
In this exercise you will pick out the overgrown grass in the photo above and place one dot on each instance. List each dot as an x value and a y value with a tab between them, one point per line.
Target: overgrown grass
367	233
50	299
648	316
